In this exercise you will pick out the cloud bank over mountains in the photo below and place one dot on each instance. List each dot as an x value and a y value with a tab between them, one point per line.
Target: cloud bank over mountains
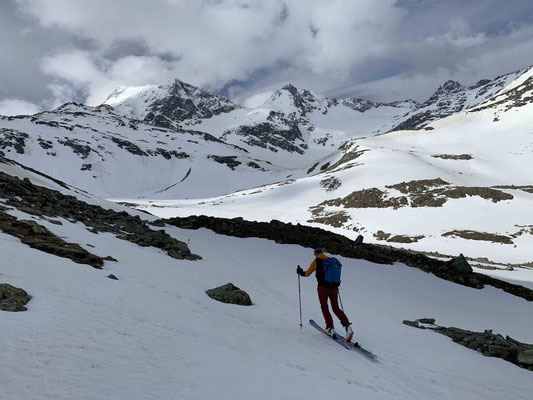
384	50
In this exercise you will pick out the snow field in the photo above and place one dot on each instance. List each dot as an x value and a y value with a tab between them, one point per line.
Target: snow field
501	155
155	334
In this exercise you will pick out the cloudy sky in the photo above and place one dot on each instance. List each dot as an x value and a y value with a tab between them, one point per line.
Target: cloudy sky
53	51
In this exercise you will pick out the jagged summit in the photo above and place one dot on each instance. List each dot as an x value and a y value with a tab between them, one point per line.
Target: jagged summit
450	86
170	105
291	99
452	97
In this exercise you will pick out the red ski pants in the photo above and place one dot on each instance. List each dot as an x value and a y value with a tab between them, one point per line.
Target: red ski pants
325	293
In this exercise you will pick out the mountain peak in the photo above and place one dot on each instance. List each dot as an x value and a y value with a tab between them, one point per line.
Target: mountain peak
170	104
290	88
290	98
450	86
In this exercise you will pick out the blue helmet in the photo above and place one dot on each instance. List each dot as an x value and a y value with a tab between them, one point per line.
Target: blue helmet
318	250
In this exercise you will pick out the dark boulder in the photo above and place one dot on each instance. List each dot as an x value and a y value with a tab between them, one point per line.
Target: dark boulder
230	294
12	298
461	265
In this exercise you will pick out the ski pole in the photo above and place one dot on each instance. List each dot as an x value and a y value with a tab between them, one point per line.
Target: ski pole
300	301
340	300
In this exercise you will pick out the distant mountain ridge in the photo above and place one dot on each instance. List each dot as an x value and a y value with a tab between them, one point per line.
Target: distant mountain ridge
181	141
178	103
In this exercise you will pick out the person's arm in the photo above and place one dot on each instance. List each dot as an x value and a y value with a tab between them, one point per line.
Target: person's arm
311	268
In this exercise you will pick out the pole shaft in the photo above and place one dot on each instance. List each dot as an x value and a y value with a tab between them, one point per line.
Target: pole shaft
300	301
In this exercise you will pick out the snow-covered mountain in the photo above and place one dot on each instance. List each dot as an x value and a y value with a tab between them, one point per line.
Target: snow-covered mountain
172	105
108	155
461	185
304	158
116	303
453	97
297	124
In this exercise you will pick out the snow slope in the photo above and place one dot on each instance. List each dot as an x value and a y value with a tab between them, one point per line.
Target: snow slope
302	158
489	147
155	334
109	155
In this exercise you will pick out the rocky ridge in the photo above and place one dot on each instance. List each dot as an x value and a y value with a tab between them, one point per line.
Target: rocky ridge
456	270
487	343
452	97
46	203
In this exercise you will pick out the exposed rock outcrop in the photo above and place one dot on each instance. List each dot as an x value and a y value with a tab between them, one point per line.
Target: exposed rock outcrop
39	201
40	238
12	298
487	343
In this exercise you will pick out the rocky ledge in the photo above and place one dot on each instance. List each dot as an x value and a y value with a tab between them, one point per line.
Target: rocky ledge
40	202
455	270
38	237
486	342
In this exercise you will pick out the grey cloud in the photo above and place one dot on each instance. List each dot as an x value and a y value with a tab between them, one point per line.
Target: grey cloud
380	50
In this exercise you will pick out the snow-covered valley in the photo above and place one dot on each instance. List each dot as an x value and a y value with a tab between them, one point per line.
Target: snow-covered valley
455	179
470	187
155	334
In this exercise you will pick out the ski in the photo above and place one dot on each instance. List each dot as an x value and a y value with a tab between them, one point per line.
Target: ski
343	342
367	353
339	339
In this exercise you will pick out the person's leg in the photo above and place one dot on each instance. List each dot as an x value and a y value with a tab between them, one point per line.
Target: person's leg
333	295
323	299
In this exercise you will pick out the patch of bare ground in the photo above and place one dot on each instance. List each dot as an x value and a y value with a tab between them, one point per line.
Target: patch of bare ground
483	236
419	186
420	193
380	235
334	219
331	183
483	192
367	198
287	182
405	239
453	156
347	157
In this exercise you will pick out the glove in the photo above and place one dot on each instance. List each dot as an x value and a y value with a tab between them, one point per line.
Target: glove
300	271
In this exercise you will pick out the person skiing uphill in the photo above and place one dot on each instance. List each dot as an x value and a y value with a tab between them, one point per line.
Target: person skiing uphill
327	290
